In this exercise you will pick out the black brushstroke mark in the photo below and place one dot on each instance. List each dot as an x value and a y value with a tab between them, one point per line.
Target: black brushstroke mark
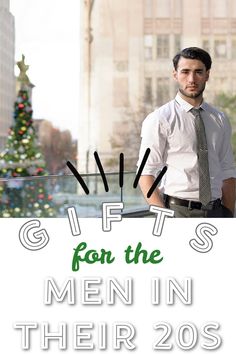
98	162
78	177
157	180
141	167
121	174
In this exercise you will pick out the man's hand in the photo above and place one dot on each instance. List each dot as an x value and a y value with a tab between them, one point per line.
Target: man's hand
228	194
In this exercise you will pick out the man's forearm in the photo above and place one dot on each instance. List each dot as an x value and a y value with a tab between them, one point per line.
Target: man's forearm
228	193
145	184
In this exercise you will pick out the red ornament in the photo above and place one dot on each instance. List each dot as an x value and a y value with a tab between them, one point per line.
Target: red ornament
50	197
41	196
21	105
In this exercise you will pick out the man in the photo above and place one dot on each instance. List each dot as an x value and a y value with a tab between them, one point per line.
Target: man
192	139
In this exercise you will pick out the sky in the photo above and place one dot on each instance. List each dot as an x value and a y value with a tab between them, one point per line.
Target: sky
47	33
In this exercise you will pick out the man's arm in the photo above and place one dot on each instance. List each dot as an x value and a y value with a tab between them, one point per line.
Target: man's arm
145	184
228	193
228	167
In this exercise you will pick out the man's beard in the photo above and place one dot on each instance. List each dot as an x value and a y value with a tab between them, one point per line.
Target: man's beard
192	95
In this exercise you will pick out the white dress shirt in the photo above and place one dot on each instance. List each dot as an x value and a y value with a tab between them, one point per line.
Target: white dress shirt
169	132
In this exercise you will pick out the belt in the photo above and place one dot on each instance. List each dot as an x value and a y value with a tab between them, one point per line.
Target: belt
191	204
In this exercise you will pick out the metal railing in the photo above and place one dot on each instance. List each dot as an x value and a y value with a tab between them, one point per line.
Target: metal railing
50	196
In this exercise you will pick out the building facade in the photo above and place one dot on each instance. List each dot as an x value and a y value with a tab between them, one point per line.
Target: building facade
7	78
126	59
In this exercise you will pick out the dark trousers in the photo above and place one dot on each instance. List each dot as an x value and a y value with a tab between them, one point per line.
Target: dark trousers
185	212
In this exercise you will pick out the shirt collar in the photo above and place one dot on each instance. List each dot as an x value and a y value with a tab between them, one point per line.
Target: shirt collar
187	106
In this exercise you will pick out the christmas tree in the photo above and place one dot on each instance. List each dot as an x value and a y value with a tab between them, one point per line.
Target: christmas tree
22	158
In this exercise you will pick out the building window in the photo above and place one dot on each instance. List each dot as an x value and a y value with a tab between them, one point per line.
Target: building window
177	43
233	49
220	48
163	46
206	45
148	90
148	44
163	9
163	93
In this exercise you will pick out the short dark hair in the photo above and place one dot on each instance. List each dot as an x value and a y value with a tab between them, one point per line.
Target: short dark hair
193	53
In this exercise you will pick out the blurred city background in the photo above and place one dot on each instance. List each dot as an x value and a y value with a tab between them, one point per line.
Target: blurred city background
95	69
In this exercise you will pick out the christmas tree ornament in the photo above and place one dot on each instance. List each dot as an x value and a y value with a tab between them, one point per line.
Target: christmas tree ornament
25	141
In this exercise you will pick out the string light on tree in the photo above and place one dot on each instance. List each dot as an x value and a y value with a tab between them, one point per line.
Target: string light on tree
22	158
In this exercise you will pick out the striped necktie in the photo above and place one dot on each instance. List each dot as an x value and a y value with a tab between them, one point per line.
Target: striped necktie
203	165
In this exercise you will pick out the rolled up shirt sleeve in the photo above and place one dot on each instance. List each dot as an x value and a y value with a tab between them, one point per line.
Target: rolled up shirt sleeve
153	136
227	158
